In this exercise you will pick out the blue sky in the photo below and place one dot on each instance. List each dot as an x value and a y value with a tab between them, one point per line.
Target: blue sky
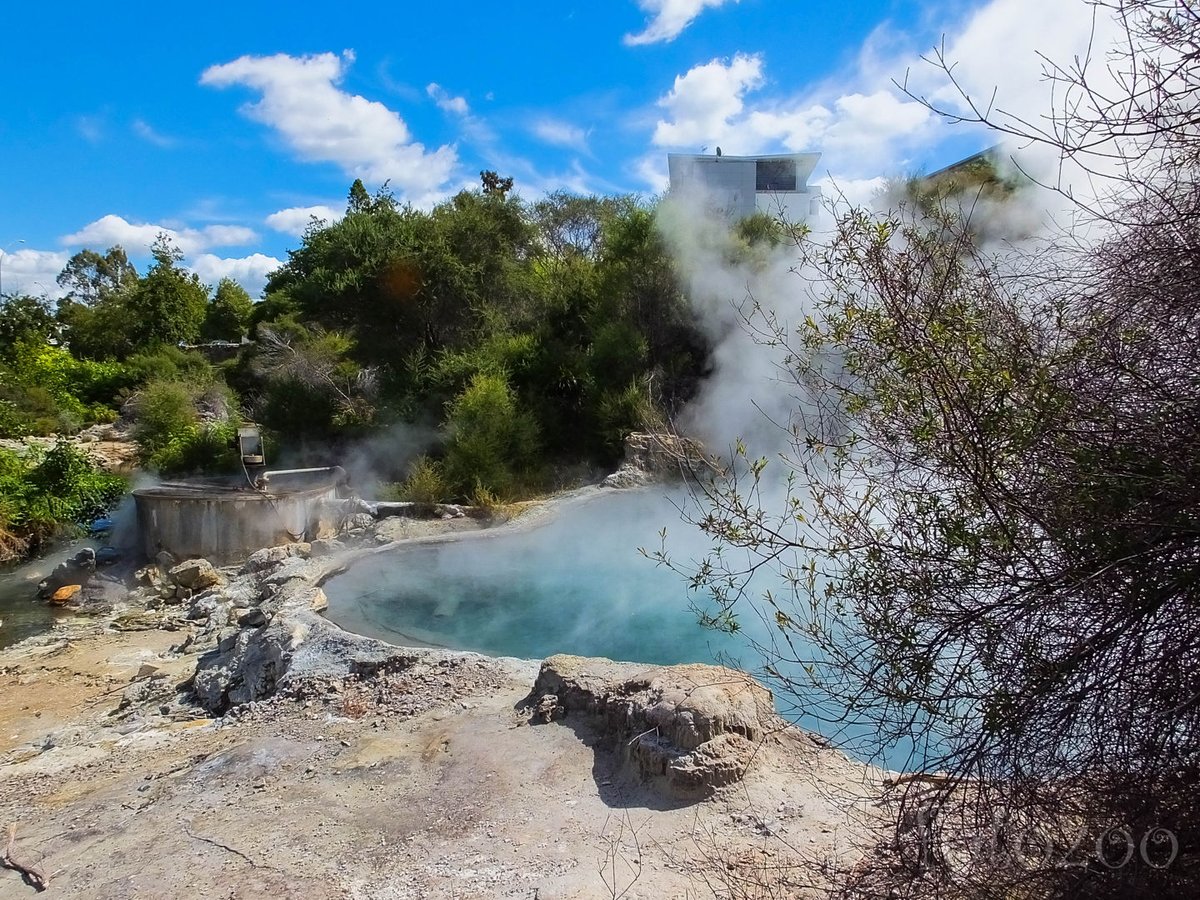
229	123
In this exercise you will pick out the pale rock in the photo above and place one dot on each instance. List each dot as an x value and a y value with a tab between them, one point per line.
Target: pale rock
357	523
195	574
687	729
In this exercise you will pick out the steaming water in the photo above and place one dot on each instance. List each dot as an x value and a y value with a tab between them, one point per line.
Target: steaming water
577	585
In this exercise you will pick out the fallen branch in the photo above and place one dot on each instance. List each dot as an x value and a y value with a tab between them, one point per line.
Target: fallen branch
207	840
31	874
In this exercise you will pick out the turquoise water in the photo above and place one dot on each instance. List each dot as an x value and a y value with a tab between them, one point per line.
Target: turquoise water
577	585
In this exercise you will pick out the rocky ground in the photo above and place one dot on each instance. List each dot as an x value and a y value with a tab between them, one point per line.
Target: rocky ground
110	446
212	736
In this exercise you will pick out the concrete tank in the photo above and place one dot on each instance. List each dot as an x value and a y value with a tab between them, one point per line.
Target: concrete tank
224	520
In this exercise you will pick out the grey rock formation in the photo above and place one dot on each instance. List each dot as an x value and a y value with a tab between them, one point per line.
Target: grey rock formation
270	557
246	666
687	729
656	457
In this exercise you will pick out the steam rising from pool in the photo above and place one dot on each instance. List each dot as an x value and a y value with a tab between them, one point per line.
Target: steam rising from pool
577	585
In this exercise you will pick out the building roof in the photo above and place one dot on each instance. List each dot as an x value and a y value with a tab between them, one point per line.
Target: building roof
805	162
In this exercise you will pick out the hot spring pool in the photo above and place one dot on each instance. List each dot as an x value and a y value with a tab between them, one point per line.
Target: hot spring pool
577	585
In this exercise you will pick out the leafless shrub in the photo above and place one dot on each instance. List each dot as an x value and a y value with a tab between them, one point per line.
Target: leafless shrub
984	530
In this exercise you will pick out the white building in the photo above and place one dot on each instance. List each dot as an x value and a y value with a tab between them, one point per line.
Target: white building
739	186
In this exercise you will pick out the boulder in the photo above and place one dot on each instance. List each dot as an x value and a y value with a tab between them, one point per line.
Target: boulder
357	523
253	618
628	477
78	570
687	729
148	576
195	574
246	666
65	594
327	547
269	557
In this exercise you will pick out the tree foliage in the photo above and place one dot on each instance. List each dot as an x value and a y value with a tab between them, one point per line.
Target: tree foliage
493	442
24	319
573	302
168	306
228	314
90	278
43	493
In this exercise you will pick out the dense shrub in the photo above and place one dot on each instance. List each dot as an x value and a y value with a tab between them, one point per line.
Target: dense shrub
493	442
164	362
185	426
43	493
197	449
49	391
424	484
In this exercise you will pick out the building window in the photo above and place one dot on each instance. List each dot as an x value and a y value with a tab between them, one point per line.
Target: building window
775	175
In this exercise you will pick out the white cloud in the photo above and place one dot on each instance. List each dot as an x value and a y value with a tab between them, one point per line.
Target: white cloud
294	220
110	230
147	133
322	123
651	170
445	102
30	271
668	18
249	271
560	134
863	124
705	102
708	106
90	128
866	128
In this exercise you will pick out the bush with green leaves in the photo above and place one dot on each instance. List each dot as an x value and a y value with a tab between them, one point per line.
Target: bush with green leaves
424	484
198	449
172	434
44	493
48	391
493	441
164	361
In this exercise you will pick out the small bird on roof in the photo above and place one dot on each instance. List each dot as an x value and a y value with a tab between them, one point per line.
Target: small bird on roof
718	151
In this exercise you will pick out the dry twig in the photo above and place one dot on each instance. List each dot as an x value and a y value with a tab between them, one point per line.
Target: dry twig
32	874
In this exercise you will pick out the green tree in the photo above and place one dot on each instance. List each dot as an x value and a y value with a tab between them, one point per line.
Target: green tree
168	306
24	318
89	277
310	387
359	200
493	183
93	315
228	314
405	282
